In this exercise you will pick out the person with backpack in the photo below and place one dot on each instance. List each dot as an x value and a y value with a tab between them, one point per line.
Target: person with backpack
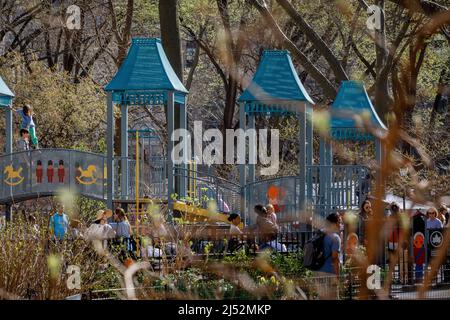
321	255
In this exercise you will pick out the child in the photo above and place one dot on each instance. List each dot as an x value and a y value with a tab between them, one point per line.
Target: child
27	123
271	213
235	220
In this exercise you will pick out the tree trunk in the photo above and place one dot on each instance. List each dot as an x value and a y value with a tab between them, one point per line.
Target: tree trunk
316	40
171	41
381	82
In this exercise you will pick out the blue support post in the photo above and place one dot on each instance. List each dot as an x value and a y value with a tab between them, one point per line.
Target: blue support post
329	177
322	176
302	154
309	151
170	165
110	150
251	158
242	167
124	151
9	129
183	166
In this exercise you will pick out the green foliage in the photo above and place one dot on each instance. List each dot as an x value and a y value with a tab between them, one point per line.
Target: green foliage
67	114
290	264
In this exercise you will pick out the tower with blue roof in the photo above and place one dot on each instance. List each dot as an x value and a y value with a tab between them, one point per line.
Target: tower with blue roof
277	90
144	78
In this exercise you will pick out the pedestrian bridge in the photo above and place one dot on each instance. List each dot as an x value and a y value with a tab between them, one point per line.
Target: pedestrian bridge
45	172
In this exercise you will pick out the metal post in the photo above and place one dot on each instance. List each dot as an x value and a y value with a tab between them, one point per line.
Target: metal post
242	167
302	154
170	128
380	156
309	150
251	158
251	167
322	176
378	152
124	151
329	176
110	150
183	166
9	129
8	212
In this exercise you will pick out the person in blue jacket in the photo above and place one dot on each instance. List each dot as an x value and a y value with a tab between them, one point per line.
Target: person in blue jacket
59	222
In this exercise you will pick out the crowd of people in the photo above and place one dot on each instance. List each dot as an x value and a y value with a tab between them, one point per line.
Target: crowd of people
112	226
265	228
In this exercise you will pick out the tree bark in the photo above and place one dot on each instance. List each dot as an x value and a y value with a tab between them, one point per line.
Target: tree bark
381	82
171	41
316	40
322	80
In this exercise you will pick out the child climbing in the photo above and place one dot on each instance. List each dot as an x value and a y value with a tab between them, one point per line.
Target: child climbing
27	123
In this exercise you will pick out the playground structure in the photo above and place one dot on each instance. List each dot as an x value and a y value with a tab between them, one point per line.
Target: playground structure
146	78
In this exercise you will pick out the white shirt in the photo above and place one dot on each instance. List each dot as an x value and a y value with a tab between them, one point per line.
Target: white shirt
234	230
100	232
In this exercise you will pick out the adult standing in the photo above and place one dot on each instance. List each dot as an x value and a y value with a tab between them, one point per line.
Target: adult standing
59	223
443	214
331	248
433	222
266	230
122	227
100	231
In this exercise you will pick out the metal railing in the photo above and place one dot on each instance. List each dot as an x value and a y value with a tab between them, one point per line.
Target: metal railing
32	173
328	189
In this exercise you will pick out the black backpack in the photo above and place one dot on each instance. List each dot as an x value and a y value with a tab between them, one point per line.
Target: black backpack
314	252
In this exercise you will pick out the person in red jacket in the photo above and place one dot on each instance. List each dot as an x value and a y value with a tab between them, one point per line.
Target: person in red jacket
50	171
61	171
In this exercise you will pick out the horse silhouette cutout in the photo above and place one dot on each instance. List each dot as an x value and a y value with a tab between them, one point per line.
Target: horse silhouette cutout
87	177
12	174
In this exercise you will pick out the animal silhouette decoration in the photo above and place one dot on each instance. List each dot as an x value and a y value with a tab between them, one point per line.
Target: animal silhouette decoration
13	177
87	177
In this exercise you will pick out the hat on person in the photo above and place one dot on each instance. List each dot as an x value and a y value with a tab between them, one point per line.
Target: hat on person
108	213
100	215
443	207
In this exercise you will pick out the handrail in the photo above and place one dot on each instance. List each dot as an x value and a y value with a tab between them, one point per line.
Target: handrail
207	175
53	149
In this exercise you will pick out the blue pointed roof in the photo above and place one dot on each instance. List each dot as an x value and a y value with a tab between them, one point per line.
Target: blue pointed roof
352	98
146	67
275	80
6	95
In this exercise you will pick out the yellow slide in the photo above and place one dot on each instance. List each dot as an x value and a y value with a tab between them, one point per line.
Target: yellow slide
201	214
